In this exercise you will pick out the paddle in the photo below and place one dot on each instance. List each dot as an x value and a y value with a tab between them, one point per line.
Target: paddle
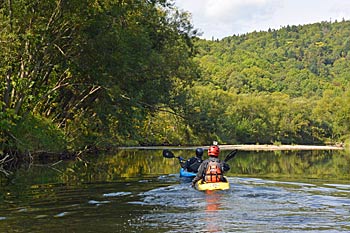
168	154
231	155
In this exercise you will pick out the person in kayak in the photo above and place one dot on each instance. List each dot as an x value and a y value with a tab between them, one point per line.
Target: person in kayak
212	169
192	164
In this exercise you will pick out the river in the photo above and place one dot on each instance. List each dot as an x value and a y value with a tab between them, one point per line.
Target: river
141	191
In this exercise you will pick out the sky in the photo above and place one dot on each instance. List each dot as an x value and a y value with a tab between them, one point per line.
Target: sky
221	18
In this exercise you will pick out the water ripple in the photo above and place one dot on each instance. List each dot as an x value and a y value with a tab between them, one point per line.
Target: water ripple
267	205
117	194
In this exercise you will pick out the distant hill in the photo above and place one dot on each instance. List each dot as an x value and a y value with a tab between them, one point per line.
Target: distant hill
278	86
296	60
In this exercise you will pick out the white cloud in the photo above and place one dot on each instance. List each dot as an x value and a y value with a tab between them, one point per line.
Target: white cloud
226	9
221	18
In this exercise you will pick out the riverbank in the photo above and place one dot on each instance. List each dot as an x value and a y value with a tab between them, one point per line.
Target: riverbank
280	147
243	147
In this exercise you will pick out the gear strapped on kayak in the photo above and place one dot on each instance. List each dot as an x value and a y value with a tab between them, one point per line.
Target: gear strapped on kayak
213	172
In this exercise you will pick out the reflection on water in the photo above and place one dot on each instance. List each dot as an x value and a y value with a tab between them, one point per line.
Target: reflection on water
140	191
213	206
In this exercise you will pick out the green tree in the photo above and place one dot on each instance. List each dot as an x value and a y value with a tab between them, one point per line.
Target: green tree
96	70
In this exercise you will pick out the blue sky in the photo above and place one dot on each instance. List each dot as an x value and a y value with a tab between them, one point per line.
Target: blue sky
221	18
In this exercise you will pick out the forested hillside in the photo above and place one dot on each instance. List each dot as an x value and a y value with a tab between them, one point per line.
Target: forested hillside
78	75
281	86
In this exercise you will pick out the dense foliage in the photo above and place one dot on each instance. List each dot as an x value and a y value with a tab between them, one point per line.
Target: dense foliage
81	74
287	86
281	86
95	70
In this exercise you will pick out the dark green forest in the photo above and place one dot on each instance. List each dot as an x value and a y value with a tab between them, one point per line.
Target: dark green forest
82	75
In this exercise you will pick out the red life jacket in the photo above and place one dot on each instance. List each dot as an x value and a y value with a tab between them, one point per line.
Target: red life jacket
213	173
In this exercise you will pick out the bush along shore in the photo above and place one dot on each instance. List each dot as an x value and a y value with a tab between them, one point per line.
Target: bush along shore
81	77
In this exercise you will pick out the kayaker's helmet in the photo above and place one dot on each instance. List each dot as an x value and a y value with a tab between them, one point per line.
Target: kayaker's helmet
199	152
214	151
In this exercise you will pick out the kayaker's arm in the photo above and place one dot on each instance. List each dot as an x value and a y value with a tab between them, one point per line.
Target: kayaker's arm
195	179
188	164
184	164
225	167
199	173
181	161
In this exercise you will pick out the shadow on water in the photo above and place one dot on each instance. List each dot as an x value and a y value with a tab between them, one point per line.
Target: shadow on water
141	191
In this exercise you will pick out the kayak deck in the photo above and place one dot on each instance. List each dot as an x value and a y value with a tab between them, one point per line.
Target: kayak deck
184	173
201	185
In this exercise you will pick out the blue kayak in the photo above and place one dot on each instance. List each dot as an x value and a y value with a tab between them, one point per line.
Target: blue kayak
184	173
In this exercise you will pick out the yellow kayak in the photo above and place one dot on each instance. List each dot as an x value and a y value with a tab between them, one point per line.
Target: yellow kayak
201	185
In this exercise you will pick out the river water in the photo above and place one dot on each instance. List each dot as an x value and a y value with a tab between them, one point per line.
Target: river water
141	191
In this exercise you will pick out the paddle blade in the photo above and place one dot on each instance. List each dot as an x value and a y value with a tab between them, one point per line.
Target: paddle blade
168	154
231	155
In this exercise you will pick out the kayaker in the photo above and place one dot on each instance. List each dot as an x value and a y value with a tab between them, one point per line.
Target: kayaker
212	169
192	164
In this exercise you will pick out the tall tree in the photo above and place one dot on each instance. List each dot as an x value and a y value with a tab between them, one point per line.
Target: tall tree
93	68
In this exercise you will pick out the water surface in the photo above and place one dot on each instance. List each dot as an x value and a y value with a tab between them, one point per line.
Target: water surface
140	191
